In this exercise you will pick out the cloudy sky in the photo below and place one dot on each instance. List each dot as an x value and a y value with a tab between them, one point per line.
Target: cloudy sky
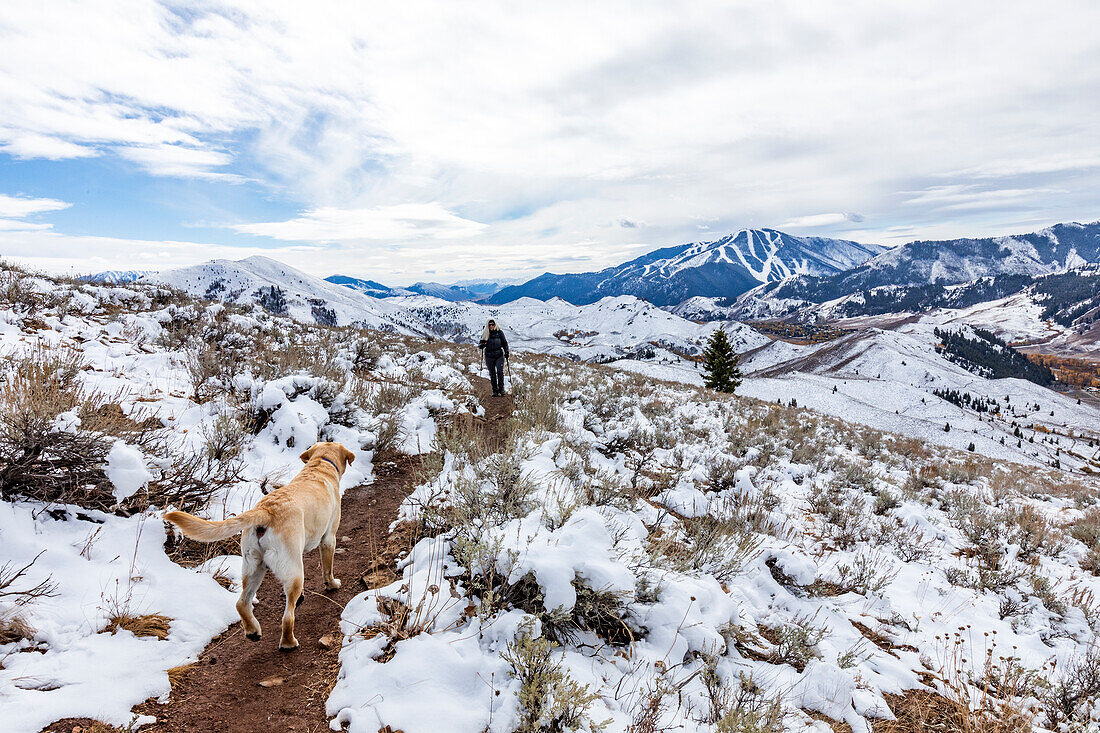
445	140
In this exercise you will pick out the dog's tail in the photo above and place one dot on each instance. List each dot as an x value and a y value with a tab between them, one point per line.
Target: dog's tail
205	530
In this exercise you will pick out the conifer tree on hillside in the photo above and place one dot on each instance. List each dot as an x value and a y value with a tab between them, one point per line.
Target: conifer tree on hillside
720	364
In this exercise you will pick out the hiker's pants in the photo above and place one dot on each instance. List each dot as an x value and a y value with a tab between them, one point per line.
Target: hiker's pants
496	372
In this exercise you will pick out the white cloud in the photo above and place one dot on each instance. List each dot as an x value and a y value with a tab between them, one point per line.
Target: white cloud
177	160
954	198
814	221
445	259
26	146
387	223
17	207
66	254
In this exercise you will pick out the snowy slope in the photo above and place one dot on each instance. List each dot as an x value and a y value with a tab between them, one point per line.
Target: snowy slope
607	329
463	290
885	379
1059	310
116	277
720	534
307	298
722	268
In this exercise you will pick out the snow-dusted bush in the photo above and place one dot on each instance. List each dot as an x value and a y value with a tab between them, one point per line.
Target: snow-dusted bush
550	699
1074	699
61	442
741	707
55	435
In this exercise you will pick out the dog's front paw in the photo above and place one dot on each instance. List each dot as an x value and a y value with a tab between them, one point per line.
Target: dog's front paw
332	584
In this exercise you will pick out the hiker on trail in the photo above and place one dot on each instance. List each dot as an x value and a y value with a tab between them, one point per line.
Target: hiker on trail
495	347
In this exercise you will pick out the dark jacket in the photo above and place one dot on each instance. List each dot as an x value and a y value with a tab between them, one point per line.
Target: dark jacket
496	345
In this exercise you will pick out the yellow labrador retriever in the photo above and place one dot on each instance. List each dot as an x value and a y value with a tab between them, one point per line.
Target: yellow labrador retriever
283	525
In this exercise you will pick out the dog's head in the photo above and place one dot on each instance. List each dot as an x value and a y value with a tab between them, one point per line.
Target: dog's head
335	452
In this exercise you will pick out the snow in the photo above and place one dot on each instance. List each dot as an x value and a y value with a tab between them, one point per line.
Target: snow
101	566
885	379
126	470
620	499
454	664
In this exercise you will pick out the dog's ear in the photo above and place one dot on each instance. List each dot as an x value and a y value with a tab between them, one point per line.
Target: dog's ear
307	453
349	457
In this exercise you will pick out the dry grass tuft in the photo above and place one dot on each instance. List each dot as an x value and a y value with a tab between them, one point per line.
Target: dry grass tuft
189	553
177	674
920	711
221	577
925	711
402	622
13	624
150	624
14	628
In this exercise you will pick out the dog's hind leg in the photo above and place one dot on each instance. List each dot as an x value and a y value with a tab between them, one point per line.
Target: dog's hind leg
293	591
328	554
289	568
252	574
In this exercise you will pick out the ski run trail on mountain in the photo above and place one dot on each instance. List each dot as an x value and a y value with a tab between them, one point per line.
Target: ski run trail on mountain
239	685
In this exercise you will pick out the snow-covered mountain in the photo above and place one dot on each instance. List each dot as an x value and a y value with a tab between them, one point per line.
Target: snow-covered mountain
610	328
369	287
1061	309
1054	249
464	290
116	277
1057	249
725	267
824	269
284	290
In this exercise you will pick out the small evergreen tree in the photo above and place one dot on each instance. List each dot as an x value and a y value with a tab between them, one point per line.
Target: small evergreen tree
720	364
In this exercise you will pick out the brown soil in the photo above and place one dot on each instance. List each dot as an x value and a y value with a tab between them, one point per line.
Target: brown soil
222	692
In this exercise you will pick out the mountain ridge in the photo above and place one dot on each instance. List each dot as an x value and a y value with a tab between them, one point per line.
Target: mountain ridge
459	291
744	261
725	267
